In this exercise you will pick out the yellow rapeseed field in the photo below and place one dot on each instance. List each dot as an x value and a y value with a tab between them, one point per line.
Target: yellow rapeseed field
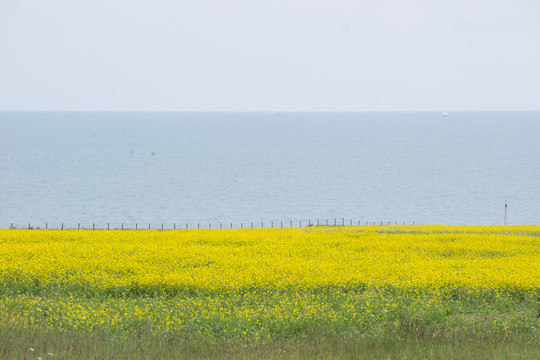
260	283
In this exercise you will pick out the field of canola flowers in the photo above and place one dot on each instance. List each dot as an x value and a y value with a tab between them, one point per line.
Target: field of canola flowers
260	284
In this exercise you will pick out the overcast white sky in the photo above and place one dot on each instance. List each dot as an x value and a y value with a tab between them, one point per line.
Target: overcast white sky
276	55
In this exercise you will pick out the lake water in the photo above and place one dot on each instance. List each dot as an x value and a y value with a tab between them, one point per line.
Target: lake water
240	167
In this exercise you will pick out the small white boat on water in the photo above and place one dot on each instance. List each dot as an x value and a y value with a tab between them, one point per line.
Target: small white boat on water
444	114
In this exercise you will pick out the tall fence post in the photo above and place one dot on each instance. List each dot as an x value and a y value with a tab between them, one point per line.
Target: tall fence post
62	226
505	210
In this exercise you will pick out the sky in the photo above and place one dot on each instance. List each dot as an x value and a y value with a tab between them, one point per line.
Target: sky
269	55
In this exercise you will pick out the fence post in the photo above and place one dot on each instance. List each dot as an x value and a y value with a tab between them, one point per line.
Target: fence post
300	223
241	225
281	224
62	226
209	225
272	225
186	226
135	226
46	226
317	222
107	226
122	226
342	221
28	226
174	226
231	225
252	224
93	226
148	226
161	226
262	224
79	226
505	210
220	226
326	222
335	221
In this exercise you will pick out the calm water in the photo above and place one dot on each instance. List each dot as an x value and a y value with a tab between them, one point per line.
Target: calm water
225	167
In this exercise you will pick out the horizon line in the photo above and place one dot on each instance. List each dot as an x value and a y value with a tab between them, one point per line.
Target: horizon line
260	111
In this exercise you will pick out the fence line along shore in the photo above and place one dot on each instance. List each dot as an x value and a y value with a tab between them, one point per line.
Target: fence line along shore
208	225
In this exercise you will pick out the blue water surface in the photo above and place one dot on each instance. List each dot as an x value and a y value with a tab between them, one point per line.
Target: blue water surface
207	168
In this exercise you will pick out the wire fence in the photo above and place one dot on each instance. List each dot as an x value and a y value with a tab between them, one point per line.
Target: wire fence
207	225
